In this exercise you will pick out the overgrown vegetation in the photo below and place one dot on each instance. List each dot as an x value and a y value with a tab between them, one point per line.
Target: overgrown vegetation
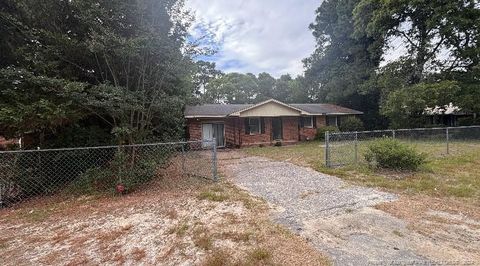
320	134
120	171
390	153
351	123
123	66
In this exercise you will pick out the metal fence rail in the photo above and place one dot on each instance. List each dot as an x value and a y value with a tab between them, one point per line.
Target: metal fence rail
29	173
347	148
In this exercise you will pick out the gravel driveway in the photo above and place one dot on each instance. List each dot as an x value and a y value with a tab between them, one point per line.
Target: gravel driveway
334	216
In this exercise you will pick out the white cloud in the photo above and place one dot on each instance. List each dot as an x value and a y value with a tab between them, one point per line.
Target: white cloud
257	36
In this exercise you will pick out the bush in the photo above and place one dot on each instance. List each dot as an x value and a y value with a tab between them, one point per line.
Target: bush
122	170
320	135
351	123
392	154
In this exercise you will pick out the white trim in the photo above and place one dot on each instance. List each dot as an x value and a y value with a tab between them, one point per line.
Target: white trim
325	114
237	113
205	116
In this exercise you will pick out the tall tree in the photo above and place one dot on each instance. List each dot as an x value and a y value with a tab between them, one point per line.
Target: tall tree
425	27
266	84
281	91
343	62
129	55
232	88
442	40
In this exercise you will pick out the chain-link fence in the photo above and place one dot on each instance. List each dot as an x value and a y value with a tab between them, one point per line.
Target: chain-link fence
30	173
347	148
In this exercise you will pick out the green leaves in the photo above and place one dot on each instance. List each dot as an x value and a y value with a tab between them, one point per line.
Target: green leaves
115	64
392	154
32	103
406	107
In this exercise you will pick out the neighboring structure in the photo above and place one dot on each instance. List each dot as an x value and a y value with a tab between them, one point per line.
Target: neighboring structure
4	143
265	123
448	115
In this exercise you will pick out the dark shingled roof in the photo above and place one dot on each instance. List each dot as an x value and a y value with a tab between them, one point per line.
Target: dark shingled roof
214	109
219	110
325	108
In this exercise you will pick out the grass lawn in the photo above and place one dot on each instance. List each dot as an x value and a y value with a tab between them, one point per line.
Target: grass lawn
455	175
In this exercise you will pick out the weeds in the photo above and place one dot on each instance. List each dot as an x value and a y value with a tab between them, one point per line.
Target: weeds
203	242
237	236
212	196
179	229
397	233
217	258
259	254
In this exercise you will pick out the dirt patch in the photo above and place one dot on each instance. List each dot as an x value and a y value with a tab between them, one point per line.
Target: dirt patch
168	222
451	223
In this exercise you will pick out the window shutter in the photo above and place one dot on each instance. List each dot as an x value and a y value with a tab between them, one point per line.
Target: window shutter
262	125
247	126
301	122
314	118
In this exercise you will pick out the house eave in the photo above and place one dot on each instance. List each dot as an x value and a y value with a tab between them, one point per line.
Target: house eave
205	116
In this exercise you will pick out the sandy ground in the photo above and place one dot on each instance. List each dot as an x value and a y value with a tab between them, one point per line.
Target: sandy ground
356	225
170	222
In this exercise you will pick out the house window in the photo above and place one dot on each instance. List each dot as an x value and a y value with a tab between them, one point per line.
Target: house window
307	121
254	126
332	121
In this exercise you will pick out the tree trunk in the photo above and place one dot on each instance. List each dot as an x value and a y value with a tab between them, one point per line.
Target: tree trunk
421	57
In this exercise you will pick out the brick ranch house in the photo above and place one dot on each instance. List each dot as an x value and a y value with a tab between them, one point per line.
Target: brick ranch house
265	123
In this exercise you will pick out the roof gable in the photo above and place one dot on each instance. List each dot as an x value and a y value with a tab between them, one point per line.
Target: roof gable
269	108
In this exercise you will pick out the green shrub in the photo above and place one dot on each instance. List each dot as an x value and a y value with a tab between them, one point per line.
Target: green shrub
392	154
121	170
320	135
46	172
351	123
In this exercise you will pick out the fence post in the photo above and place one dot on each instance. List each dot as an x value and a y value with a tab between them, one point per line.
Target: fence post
327	149
214	160
356	147
183	159
448	140
393	133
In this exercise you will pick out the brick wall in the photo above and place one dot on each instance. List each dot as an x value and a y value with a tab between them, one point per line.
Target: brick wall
309	133
256	139
194	129
235	135
290	129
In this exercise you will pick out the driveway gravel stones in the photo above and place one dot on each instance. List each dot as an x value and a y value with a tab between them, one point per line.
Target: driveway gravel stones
336	217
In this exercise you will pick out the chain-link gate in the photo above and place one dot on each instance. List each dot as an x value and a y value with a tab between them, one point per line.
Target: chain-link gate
348	148
29	173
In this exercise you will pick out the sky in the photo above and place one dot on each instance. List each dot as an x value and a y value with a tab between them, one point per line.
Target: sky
256	35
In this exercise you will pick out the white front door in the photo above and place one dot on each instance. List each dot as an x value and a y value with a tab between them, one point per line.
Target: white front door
207	134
